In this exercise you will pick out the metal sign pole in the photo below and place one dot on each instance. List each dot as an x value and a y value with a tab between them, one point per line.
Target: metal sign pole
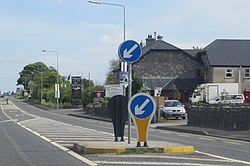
129	96
129	51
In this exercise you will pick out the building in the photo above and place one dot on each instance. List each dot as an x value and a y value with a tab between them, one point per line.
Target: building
228	61
168	68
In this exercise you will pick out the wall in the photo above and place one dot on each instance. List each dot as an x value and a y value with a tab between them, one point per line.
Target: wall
165	63
230	118
219	77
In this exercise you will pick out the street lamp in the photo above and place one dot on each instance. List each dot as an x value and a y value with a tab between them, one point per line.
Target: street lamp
113	4
57	77
123	64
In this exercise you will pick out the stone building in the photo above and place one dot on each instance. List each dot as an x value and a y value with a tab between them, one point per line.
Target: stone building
168	68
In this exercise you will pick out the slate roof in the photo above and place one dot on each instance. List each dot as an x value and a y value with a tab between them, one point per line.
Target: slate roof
228	53
162	45
159	45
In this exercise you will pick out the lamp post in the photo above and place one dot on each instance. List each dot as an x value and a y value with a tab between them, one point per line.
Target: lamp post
123	64
113	4
57	77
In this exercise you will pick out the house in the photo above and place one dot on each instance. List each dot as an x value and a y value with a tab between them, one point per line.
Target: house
228	61
169	68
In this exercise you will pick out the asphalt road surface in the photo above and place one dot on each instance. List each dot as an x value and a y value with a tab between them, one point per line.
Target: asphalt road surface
47	129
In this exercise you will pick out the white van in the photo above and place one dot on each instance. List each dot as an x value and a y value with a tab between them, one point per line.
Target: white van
230	98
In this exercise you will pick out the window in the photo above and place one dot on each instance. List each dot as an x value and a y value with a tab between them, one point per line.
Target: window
229	73
247	73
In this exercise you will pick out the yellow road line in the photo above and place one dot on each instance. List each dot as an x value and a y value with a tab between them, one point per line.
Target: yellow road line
232	142
183	135
206	139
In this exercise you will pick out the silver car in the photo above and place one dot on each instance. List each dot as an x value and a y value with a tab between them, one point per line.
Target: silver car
174	109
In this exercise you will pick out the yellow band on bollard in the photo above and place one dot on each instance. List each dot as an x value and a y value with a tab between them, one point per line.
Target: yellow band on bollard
142	127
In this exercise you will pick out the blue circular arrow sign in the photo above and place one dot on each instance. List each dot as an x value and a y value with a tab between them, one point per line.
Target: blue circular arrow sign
130	51
141	106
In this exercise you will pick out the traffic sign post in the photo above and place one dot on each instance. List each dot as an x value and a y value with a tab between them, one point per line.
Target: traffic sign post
141	108
129	51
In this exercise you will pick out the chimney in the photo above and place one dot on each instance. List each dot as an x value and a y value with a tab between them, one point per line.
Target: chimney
150	40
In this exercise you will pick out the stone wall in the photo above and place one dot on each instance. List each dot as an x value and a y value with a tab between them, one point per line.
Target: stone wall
167	63
228	118
98	111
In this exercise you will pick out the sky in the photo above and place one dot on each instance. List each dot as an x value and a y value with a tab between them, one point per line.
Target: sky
87	36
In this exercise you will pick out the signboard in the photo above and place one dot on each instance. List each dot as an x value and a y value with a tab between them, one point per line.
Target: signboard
76	81
57	91
76	93
123	77
98	96
130	51
142	108
113	90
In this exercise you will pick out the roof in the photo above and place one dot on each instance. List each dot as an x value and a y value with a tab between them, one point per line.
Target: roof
230	53
183	84
164	46
159	45
192	52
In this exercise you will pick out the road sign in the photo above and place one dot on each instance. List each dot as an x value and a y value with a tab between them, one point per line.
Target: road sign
130	51
141	105
76	81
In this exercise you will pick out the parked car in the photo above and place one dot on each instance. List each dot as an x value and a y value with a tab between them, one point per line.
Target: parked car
174	109
230	98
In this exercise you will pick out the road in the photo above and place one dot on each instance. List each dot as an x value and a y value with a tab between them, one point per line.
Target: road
60	130
20	147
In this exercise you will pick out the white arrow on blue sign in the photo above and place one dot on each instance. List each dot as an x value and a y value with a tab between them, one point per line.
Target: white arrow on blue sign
141	105
130	51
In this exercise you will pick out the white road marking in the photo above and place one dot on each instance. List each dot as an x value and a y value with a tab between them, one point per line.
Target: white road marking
81	158
151	163
18	115
8	121
28	120
92	163
225	158
170	157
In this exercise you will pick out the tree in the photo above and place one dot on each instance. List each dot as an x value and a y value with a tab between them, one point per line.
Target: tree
197	48
87	91
28	73
176	93
114	65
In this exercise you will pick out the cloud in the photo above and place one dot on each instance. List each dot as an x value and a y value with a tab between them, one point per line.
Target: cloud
17	58
109	27
111	40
